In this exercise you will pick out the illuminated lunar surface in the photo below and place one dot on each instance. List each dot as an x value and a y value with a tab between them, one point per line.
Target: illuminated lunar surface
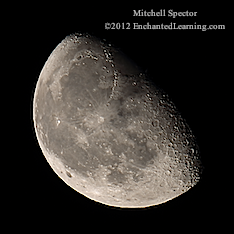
107	131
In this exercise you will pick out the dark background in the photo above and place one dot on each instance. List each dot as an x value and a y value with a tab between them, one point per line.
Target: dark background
190	65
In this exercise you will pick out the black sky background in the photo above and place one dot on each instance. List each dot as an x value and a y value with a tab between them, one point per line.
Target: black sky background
189	65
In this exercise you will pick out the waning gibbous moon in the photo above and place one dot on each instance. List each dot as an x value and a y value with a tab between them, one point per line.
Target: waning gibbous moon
107	130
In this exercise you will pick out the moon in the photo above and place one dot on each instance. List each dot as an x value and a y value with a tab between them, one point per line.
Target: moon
108	131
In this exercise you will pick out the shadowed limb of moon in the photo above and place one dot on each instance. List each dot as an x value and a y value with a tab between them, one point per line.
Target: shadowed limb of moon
108	131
